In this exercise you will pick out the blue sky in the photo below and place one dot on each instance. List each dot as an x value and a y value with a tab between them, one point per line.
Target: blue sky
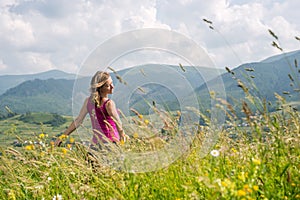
40	35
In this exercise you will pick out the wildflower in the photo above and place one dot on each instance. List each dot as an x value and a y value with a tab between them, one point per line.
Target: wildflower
57	197
52	144
140	116
146	122
63	136
64	150
49	178
246	188
215	153
256	161
255	187
29	147
42	136
135	135
122	142
293	184
241	193
69	146
72	140
11	194
233	150
224	184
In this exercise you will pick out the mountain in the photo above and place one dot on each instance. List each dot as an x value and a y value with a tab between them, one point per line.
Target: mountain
280	56
58	95
167	86
278	74
10	81
51	95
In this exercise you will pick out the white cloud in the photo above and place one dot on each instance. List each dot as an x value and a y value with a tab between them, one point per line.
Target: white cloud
41	35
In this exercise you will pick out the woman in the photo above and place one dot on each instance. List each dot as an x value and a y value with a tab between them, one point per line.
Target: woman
105	120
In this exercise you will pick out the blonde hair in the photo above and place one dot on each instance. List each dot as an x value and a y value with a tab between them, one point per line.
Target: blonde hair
98	80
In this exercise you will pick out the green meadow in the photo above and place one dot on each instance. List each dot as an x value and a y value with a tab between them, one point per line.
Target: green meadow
261	161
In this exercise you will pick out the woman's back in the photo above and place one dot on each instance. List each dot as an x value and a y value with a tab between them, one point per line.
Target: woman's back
103	122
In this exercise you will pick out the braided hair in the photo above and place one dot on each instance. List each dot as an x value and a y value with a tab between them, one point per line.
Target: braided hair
98	80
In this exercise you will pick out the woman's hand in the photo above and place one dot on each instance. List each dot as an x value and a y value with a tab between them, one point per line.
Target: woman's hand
124	137
57	142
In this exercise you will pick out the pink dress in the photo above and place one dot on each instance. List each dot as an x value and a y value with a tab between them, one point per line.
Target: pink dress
102	122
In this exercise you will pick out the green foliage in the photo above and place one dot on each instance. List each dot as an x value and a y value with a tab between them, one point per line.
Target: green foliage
52	119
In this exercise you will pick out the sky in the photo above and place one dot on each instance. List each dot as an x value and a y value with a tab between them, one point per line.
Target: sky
42	35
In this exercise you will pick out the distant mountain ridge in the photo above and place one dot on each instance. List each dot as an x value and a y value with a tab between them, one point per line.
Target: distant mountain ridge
280	56
277	74
50	95
55	95
10	81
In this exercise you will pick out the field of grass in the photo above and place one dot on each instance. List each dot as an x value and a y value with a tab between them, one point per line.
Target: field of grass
14	130
262	161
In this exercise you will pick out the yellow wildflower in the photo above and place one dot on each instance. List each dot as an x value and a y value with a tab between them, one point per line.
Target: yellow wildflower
242	176
241	193
256	161
224	184
146	121
72	140
255	187
140	116
233	150
42	136
69	146
29	147
63	136
11	194
64	150
135	135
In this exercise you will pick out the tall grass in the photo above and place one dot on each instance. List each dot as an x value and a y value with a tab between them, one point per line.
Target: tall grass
262	161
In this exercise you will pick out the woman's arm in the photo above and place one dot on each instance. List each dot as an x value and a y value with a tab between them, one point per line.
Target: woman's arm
76	123
112	111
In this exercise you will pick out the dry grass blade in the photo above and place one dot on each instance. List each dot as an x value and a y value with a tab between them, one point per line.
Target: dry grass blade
273	34
291	78
207	21
181	67
274	44
249	69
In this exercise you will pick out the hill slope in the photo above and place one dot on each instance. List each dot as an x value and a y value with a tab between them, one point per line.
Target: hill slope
278	74
164	84
10	81
51	95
